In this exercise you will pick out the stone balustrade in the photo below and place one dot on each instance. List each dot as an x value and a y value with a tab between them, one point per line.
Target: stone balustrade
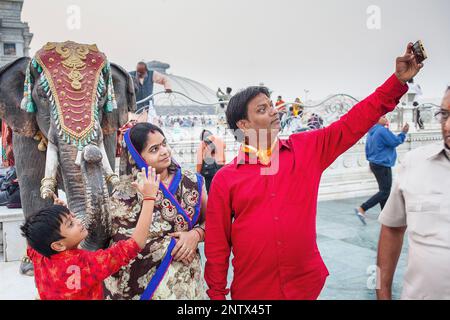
348	177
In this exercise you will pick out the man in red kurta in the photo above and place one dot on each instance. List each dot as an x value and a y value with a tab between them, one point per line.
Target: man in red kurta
262	205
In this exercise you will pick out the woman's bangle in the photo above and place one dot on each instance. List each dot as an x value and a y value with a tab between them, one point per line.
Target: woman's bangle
199	233
149	198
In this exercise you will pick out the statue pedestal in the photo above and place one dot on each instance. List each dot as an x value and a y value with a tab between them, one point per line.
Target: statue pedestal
12	242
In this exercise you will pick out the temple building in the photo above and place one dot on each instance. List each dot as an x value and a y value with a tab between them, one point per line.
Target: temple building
15	36
179	105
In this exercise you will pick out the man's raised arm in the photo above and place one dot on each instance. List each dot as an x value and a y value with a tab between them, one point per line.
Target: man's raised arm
344	133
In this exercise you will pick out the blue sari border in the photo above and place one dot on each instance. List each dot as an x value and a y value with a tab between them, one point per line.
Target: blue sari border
160	273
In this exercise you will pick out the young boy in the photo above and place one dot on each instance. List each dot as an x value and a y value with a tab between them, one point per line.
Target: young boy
62	271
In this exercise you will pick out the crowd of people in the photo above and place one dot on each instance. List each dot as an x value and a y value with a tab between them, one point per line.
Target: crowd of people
187	121
161	211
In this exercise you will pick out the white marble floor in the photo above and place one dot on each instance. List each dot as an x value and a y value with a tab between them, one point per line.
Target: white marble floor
14	286
347	247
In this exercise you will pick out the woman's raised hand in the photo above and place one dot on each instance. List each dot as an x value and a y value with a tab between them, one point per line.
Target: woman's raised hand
150	185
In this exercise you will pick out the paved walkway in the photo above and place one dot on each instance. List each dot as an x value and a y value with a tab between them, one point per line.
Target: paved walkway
348	249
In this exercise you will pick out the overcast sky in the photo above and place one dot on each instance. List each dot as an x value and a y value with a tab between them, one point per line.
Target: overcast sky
324	46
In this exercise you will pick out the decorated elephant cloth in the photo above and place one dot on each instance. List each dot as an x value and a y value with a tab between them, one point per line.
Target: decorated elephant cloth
71	75
153	274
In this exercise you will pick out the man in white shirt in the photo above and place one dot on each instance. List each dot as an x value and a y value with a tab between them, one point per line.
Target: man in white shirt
419	203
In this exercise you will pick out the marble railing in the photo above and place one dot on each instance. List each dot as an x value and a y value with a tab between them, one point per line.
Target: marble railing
348	177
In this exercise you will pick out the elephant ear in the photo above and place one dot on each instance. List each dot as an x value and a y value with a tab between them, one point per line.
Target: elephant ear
125	94
126	102
12	77
122	79
125	98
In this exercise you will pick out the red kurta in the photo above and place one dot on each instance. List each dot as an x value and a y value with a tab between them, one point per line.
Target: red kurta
79	274
273	234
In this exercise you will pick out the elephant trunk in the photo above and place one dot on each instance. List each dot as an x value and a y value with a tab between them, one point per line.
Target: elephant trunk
86	191
74	185
98	220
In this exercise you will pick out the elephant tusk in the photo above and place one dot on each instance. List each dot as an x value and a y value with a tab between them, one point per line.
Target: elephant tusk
49	183
78	159
110	176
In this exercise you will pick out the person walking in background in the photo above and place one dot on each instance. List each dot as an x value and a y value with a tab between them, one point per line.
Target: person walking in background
210	156
297	109
414	92
280	107
224	96
315	122
381	154
279	102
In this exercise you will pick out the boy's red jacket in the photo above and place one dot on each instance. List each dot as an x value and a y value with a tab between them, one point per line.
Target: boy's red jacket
78	274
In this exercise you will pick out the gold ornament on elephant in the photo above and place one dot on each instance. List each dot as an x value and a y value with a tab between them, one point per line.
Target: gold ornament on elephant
113	179
48	188
73	57
43	142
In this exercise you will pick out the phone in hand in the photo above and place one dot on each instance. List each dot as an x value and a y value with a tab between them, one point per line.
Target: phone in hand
419	51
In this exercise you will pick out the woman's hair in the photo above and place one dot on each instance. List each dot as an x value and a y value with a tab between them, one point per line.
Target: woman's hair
139	135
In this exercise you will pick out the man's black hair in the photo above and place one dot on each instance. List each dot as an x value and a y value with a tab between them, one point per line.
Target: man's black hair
229	90
238	107
43	228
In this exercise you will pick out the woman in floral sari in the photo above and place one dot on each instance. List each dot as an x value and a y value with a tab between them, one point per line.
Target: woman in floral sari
169	266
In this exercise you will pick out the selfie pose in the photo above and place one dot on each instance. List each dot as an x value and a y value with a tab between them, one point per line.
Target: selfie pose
262	206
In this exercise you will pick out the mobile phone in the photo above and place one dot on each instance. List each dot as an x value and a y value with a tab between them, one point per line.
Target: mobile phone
419	51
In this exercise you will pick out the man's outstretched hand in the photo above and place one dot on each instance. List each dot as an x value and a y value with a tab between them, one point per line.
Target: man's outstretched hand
405	129
406	66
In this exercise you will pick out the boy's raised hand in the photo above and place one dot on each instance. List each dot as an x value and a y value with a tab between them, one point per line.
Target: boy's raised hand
150	185
57	201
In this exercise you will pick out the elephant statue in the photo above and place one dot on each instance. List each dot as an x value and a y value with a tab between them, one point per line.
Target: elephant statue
65	106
